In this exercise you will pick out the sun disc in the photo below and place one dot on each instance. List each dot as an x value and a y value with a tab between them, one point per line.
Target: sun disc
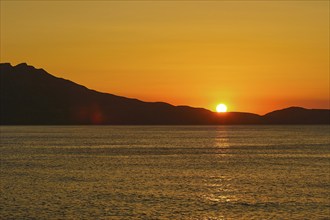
221	108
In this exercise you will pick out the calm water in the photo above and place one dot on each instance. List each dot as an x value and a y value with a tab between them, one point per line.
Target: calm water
220	172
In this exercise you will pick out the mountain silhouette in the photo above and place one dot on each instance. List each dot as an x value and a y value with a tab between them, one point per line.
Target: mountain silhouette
30	96
298	115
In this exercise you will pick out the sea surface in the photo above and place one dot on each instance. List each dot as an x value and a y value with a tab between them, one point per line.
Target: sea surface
165	172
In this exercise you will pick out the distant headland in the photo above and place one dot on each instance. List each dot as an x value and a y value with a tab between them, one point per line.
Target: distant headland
30	96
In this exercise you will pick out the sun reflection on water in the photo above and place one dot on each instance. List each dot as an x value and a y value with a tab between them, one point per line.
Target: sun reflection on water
222	143
219	190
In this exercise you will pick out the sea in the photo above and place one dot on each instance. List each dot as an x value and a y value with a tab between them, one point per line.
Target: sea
165	172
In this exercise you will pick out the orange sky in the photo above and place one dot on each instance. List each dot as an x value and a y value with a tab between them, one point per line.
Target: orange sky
255	56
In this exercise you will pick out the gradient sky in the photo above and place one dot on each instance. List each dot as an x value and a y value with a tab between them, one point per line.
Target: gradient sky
255	56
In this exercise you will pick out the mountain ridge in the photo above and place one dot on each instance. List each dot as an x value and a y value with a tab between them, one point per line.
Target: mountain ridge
31	96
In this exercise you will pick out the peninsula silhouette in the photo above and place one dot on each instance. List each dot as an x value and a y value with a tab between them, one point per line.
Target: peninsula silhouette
30	96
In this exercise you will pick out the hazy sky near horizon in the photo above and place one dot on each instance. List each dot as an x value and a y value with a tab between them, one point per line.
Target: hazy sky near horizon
254	56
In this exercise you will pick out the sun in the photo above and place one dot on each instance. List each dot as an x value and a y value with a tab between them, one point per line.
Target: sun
221	108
